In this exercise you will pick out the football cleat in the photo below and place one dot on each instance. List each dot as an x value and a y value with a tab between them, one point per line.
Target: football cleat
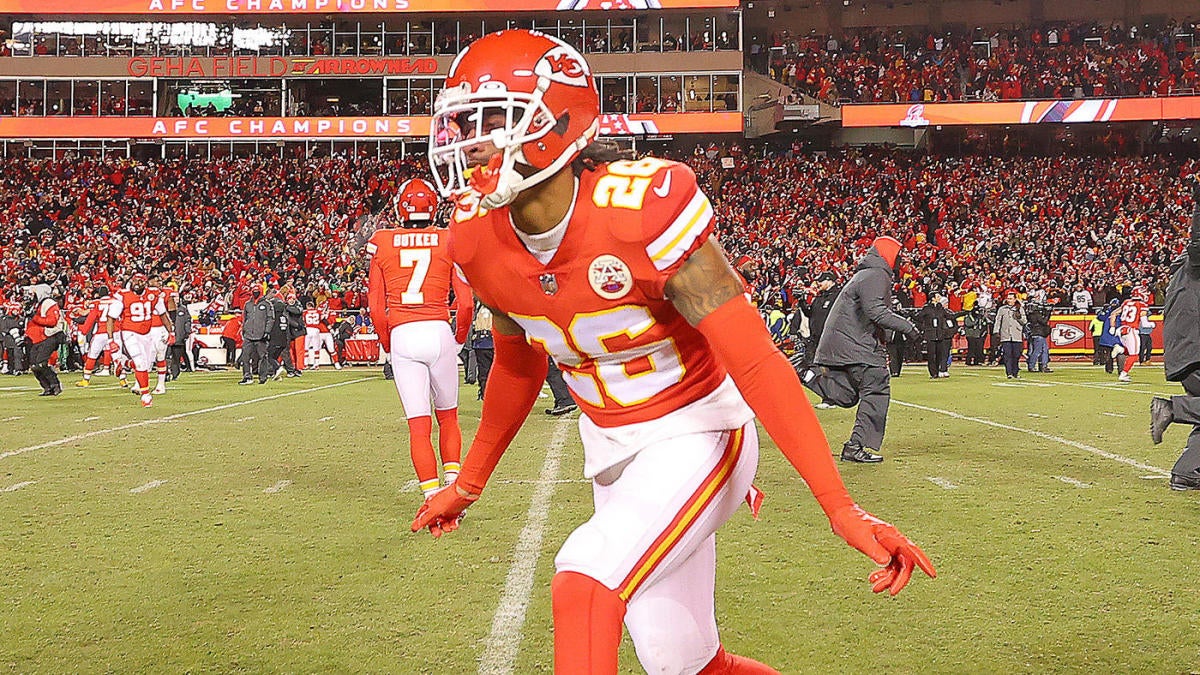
1124	377
147	400
160	389
83	383
123	383
337	366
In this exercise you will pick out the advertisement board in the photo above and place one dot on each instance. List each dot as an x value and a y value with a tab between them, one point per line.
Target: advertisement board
294	128
1074	111
151	8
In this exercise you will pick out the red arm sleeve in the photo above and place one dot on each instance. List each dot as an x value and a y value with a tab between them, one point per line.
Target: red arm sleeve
48	317
464	309
92	317
377	304
512	388
770	386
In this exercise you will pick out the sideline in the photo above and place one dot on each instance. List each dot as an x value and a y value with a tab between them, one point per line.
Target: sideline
169	418
501	646
1042	435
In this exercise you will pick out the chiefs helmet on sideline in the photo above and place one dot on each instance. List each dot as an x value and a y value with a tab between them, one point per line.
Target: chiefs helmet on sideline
1140	294
416	200
530	95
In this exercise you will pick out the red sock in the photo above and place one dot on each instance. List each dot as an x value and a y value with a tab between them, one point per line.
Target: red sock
725	663
1130	361
143	379
107	359
449	436
587	625
89	365
162	368
420	445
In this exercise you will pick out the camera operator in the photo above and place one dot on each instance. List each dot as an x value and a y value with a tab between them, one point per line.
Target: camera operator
1037	358
342	331
178	350
12	339
938	325
1181	355
975	327
43	335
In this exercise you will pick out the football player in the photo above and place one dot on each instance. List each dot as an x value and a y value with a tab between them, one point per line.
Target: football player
1132	315
93	342
317	335
611	266
162	333
138	311
409	284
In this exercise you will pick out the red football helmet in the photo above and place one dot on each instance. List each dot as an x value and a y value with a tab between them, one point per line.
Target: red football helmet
1140	294
415	200
530	95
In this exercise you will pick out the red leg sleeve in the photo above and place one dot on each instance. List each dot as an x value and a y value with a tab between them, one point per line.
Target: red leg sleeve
770	386
513	386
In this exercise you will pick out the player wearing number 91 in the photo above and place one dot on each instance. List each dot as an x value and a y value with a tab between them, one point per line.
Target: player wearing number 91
409	284
612	268
137	310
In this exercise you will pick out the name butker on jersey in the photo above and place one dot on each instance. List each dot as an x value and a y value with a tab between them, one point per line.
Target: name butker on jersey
598	307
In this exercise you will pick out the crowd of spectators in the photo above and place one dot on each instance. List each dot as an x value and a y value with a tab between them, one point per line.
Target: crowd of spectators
212	227
1051	61
975	224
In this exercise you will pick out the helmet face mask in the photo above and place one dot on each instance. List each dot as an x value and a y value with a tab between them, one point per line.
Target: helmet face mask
416	202
530	96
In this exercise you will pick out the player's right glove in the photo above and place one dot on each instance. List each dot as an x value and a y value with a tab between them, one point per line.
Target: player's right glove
884	544
112	347
443	510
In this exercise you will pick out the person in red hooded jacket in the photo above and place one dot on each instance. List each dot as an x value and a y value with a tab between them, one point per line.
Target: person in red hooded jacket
851	364
44	334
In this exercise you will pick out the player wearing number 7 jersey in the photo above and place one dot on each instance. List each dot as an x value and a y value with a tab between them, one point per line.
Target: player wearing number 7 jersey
612	268
408	290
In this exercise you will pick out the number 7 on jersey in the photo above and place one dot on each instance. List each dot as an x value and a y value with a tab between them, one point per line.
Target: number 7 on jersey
418	259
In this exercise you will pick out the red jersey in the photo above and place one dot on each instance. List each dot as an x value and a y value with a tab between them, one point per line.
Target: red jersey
312	319
137	312
410	275
598	306
1131	315
97	311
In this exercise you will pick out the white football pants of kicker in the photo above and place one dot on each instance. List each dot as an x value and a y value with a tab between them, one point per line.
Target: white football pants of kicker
653	540
425	365
98	344
140	348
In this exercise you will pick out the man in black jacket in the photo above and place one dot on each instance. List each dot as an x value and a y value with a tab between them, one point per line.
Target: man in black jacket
1181	355
851	365
259	317
818	310
279	343
939	326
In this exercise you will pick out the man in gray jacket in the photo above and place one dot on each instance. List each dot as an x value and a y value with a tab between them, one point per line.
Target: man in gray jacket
178	350
851	364
259	317
1008	331
1181	356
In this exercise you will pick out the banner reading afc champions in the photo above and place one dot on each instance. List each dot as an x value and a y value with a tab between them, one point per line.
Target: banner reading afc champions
299	128
259	7
1067	111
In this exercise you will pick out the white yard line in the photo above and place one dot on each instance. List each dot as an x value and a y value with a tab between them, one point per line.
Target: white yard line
559	481
324	419
1103	386
1049	437
168	418
147	487
244	419
277	487
1077	483
18	486
14	418
1112	414
89	419
501	647
1040	417
941	482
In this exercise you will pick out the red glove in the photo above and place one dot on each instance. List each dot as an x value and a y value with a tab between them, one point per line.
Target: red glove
112	347
170	339
443	510
882	543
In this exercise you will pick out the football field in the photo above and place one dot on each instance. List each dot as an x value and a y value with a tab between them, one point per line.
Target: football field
265	529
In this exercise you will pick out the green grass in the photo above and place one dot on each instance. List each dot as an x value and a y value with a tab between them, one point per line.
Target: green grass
209	573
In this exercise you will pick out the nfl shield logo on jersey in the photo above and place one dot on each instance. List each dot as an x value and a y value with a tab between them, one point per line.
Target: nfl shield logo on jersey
610	277
549	284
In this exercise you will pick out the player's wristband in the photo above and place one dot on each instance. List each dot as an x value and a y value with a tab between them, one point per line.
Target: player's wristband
513	385
770	386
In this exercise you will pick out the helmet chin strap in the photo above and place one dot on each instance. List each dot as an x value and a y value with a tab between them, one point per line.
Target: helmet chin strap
511	183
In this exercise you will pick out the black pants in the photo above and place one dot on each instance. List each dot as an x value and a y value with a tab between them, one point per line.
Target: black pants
275	350
177	360
1186	410
13	354
895	352
554	378
1106	357
1097	351
1146	348
254	357
483	366
230	346
1010	354
867	386
39	363
975	351
937	354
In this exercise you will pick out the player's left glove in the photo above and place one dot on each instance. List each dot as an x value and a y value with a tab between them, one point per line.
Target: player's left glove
170	339
882	543
443	510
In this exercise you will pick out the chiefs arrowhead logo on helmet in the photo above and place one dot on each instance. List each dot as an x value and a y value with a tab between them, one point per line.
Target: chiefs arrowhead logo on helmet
415	200
521	96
